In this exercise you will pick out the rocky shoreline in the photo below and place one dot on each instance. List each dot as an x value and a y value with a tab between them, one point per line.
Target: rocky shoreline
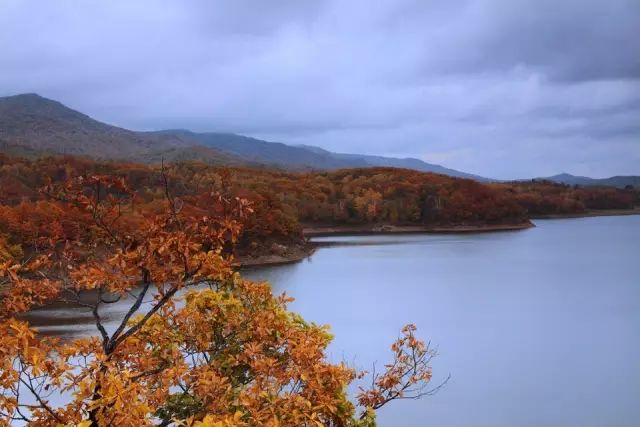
283	254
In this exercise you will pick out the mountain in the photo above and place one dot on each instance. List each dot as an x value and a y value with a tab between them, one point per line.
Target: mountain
264	152
45	125
32	126
406	163
614	181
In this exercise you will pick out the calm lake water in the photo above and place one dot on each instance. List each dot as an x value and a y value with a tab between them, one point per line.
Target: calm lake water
539	327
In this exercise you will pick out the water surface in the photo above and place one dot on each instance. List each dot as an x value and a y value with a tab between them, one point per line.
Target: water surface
537	328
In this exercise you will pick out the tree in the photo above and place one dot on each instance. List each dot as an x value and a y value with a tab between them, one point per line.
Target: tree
212	349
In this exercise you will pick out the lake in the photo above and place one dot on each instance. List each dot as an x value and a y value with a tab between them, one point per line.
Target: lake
539	327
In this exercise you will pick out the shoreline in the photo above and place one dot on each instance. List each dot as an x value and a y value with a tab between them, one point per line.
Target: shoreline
298	253
590	214
413	229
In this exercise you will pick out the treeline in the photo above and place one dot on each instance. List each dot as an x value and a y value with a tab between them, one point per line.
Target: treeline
549	198
283	202
365	196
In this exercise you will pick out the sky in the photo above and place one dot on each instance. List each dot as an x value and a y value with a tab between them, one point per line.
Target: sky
501	88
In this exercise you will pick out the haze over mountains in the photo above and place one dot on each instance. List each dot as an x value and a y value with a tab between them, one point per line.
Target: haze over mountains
614	181
33	126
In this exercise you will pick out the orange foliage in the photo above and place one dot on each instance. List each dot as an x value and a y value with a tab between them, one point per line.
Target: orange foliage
548	198
213	349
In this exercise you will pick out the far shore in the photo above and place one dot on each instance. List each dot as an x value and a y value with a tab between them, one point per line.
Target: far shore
590	213
406	229
300	253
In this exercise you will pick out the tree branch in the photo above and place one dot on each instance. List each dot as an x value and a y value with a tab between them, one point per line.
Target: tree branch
136	305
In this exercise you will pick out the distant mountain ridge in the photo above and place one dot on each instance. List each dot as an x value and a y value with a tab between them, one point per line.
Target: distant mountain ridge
619	181
31	125
43	124
406	163
35	126
263	152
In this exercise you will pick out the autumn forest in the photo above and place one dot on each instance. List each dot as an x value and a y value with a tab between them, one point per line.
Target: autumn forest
213	349
285	203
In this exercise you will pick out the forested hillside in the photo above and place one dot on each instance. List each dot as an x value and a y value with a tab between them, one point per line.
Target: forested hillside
282	203
620	181
285	202
542	198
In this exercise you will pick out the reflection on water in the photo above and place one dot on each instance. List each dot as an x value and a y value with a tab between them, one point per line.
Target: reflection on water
539	327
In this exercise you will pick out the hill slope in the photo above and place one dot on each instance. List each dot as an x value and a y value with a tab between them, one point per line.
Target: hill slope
31	125
264	152
364	160
45	125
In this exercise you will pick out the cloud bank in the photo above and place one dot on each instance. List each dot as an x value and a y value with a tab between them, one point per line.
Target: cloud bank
506	89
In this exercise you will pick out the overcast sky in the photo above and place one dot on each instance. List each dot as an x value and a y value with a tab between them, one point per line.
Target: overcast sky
506	89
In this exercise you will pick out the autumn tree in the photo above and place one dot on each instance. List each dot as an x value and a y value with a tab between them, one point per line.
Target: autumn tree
198	346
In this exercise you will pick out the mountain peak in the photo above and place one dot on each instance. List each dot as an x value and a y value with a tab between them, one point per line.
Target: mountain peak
32	103
27	97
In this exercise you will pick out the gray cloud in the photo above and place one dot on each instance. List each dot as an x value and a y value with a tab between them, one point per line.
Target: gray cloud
500	88
569	40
